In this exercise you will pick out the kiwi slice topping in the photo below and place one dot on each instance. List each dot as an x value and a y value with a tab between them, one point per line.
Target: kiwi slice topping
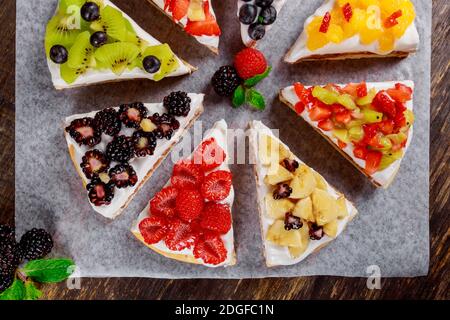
164	54
60	31
117	56
112	23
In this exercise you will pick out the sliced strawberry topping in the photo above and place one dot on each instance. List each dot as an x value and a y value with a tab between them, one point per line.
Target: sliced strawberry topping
210	155
387	126
361	90
347	11
189	204
164	203
179	9
209	27
341	144
325	23
211	249
373	160
299	107
343	117
217	185
153	229
326	125
216	217
187	175
318	113
360	152
181	235
392	19
384	103
401	93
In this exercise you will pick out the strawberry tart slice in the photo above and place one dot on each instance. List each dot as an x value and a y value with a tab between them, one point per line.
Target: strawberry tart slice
196	17
190	218
370	124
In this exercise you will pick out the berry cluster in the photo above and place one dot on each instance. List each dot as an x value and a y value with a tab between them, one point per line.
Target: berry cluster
257	16
187	214
110	168
34	244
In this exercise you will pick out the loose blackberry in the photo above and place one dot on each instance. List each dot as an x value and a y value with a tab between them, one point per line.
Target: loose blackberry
100	193
10	257
6	281
36	244
7	234
123	176
144	143
225	81
166	125
178	103
93	163
121	149
132	114
108	122
84	131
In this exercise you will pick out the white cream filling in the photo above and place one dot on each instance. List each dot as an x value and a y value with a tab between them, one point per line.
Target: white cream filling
219	132
383	177
279	255
407	43
96	76
277	4
210	41
141	165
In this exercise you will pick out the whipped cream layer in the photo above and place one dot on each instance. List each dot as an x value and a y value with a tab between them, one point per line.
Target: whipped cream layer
106	75
407	43
279	255
219	132
142	166
383	177
209	41
277	4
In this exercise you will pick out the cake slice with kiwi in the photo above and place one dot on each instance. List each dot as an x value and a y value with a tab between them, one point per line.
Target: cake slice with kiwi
117	149
300	212
89	42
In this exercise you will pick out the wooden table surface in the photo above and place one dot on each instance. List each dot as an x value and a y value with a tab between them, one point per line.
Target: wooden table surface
434	286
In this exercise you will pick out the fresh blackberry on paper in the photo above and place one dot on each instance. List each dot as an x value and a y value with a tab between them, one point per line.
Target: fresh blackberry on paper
121	149
144	143
36	244
100	193
178	103
225	81
166	125
7	234
132	114
85	132
93	163
10	253
108	121
6	281
123	176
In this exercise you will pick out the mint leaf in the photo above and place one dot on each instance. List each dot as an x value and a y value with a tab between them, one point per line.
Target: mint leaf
239	97
49	270
256	99
256	79
15	292
31	292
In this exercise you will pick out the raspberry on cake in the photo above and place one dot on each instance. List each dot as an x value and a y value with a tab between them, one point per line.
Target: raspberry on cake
108	147
89	42
190	218
370	124
344	29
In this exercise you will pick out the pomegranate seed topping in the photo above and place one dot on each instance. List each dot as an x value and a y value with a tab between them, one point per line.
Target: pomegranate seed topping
325	23
347	11
392	19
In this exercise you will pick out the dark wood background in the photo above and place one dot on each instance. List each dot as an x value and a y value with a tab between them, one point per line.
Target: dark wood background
435	286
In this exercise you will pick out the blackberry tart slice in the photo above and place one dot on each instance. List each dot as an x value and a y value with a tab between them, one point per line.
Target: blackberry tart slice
117	149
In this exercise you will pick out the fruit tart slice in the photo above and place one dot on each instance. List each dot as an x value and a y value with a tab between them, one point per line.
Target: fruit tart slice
190	218
299	211
256	18
90	42
370	124
196	17
354	29
116	150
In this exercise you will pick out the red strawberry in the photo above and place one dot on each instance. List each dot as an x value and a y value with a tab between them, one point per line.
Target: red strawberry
299	107
163	203
373	160
217	185
360	152
384	103
153	229
209	27
319	113
305	95
249	63
386	126
216	217
210	155
187	175
210	248
343	117
181	235
325	23
179	9
347	11
401	93
341	144
189	204
361	90
326	125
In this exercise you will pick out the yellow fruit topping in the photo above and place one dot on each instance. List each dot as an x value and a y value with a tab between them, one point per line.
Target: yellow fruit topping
383	21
